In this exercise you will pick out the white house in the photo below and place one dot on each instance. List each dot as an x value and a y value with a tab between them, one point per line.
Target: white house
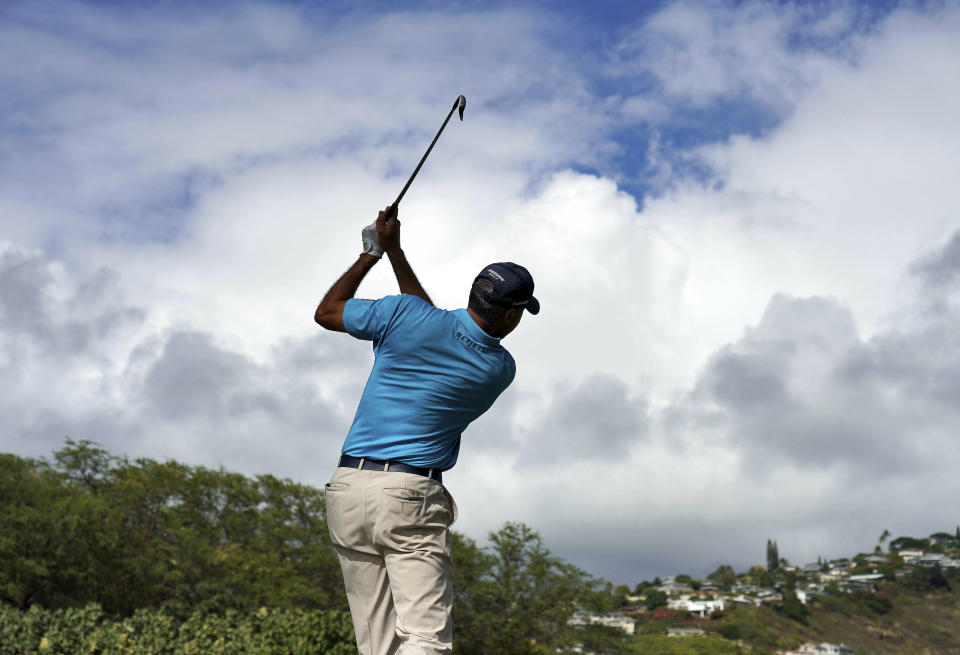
824	648
619	621
868	581
932	559
908	556
701	608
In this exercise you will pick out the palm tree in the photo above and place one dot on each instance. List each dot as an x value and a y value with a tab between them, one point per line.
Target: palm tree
883	537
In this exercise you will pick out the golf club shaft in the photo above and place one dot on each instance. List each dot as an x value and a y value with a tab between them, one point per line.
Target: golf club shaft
396	203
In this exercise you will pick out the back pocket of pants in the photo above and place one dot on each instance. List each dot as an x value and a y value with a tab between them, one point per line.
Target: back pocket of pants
406	495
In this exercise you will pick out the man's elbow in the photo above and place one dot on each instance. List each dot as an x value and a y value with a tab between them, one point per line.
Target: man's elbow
328	320
321	317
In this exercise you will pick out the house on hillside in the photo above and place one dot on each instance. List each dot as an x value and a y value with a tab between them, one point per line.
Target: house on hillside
933	559
581	618
824	648
837	572
909	556
671	587
744	601
701	608
864	582
769	596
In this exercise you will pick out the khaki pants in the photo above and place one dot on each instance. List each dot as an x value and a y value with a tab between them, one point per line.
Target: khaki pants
391	535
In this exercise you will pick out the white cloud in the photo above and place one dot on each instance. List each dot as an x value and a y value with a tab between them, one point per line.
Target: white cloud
700	53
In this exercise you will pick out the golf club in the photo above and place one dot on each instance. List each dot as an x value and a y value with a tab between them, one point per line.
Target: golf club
461	104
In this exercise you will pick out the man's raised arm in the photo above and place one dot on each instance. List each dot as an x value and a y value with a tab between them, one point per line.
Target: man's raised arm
388	234
329	312
380	237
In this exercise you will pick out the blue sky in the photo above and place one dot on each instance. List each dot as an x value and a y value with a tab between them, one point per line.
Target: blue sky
740	217
611	51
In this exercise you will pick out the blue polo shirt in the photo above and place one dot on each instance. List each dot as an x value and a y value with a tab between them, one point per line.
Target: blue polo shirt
434	372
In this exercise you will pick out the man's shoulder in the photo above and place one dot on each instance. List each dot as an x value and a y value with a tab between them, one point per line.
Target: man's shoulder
408	299
400	301
416	306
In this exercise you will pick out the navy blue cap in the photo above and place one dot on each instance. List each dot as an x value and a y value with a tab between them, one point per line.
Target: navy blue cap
512	286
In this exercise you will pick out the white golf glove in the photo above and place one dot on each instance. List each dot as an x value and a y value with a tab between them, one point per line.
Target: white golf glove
371	243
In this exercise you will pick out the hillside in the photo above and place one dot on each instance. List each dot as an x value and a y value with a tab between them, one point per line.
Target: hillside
904	600
916	622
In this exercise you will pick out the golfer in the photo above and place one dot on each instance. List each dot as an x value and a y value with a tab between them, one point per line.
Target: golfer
434	372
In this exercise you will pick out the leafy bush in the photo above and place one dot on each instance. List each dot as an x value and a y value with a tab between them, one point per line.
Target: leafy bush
729	631
872	602
754	627
663	645
155	632
925	578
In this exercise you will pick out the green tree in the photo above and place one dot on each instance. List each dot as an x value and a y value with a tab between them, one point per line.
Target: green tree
522	596
882	540
926	578
889	568
471	606
642	587
773	556
97	528
759	576
655	599
791	607
724	576
903	543
56	543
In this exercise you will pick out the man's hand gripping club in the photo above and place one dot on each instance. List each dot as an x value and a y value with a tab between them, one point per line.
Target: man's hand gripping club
381	236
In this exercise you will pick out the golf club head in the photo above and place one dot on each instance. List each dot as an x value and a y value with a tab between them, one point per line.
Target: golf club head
461	105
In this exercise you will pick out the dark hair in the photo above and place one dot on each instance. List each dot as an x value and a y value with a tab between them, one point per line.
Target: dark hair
484	308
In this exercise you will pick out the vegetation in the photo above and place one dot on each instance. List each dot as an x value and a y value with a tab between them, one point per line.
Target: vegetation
95	547
90	630
101	554
94	528
773	556
515	595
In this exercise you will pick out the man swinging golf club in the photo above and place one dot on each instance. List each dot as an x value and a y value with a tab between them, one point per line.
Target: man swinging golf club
434	372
